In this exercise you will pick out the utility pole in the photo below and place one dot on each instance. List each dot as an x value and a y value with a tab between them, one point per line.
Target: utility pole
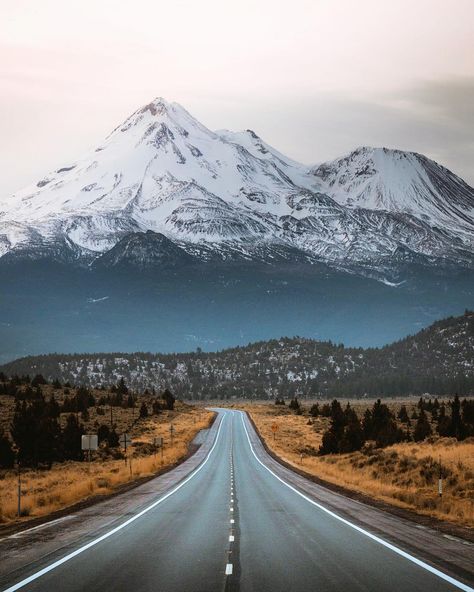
440	480
111	416
19	489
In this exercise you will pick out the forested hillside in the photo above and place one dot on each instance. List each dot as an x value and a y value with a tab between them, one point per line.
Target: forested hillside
438	360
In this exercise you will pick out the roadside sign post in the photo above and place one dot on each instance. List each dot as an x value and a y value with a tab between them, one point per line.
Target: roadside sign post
171	433
19	488
274	429
440	480
158	443
89	442
125	442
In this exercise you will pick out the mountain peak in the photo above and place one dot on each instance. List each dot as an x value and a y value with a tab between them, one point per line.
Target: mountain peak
159	106
397	181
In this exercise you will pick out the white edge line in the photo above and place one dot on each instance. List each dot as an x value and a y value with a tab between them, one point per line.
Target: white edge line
228	569
59	562
393	548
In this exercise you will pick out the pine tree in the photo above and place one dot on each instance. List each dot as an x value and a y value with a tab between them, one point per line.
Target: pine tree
444	422
23	432
71	438
122	388
48	441
38	379
403	415
103	433
7	456
422	428
52	408
333	437
353	438
143	411
169	399
457	428
113	439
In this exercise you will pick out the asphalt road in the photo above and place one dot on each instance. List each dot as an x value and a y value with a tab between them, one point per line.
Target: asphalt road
236	521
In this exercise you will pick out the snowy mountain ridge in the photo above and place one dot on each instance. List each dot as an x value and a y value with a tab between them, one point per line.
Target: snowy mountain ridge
229	194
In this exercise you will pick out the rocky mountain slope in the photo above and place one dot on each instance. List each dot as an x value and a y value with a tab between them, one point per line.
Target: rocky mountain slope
437	360
224	195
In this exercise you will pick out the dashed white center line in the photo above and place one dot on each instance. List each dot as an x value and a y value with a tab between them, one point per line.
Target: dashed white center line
231	509
228	569
232	521
231	538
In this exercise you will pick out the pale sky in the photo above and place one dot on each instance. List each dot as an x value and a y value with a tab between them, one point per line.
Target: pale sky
314	78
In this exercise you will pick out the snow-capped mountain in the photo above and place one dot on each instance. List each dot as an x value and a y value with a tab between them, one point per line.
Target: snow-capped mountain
206	195
401	182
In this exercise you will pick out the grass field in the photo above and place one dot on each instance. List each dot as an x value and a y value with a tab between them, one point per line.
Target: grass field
44	491
404	474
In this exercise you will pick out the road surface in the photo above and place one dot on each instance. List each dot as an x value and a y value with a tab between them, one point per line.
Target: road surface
232	518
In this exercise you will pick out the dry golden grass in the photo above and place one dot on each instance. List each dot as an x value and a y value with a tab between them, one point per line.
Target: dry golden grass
405	475
67	483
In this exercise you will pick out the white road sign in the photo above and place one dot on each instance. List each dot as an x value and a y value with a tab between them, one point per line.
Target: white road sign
89	442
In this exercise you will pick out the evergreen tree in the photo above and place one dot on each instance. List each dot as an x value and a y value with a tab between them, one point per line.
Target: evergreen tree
7	456
403	415
48	441
422	428
444	422
468	414
122	388
103	433
380	425
295	406
52	408
38	379
23	431
353	438
169	399
113	439
333	437
143	411
71	439
457	428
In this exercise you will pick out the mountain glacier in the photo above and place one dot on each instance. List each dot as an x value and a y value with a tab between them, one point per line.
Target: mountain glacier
162	188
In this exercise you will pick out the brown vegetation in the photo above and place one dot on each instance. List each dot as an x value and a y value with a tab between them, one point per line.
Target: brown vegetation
44	491
404	474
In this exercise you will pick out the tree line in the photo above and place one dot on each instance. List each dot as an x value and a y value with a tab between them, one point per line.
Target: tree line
347	433
36	438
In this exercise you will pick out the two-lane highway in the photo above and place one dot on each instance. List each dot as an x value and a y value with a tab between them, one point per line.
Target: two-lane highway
237	521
